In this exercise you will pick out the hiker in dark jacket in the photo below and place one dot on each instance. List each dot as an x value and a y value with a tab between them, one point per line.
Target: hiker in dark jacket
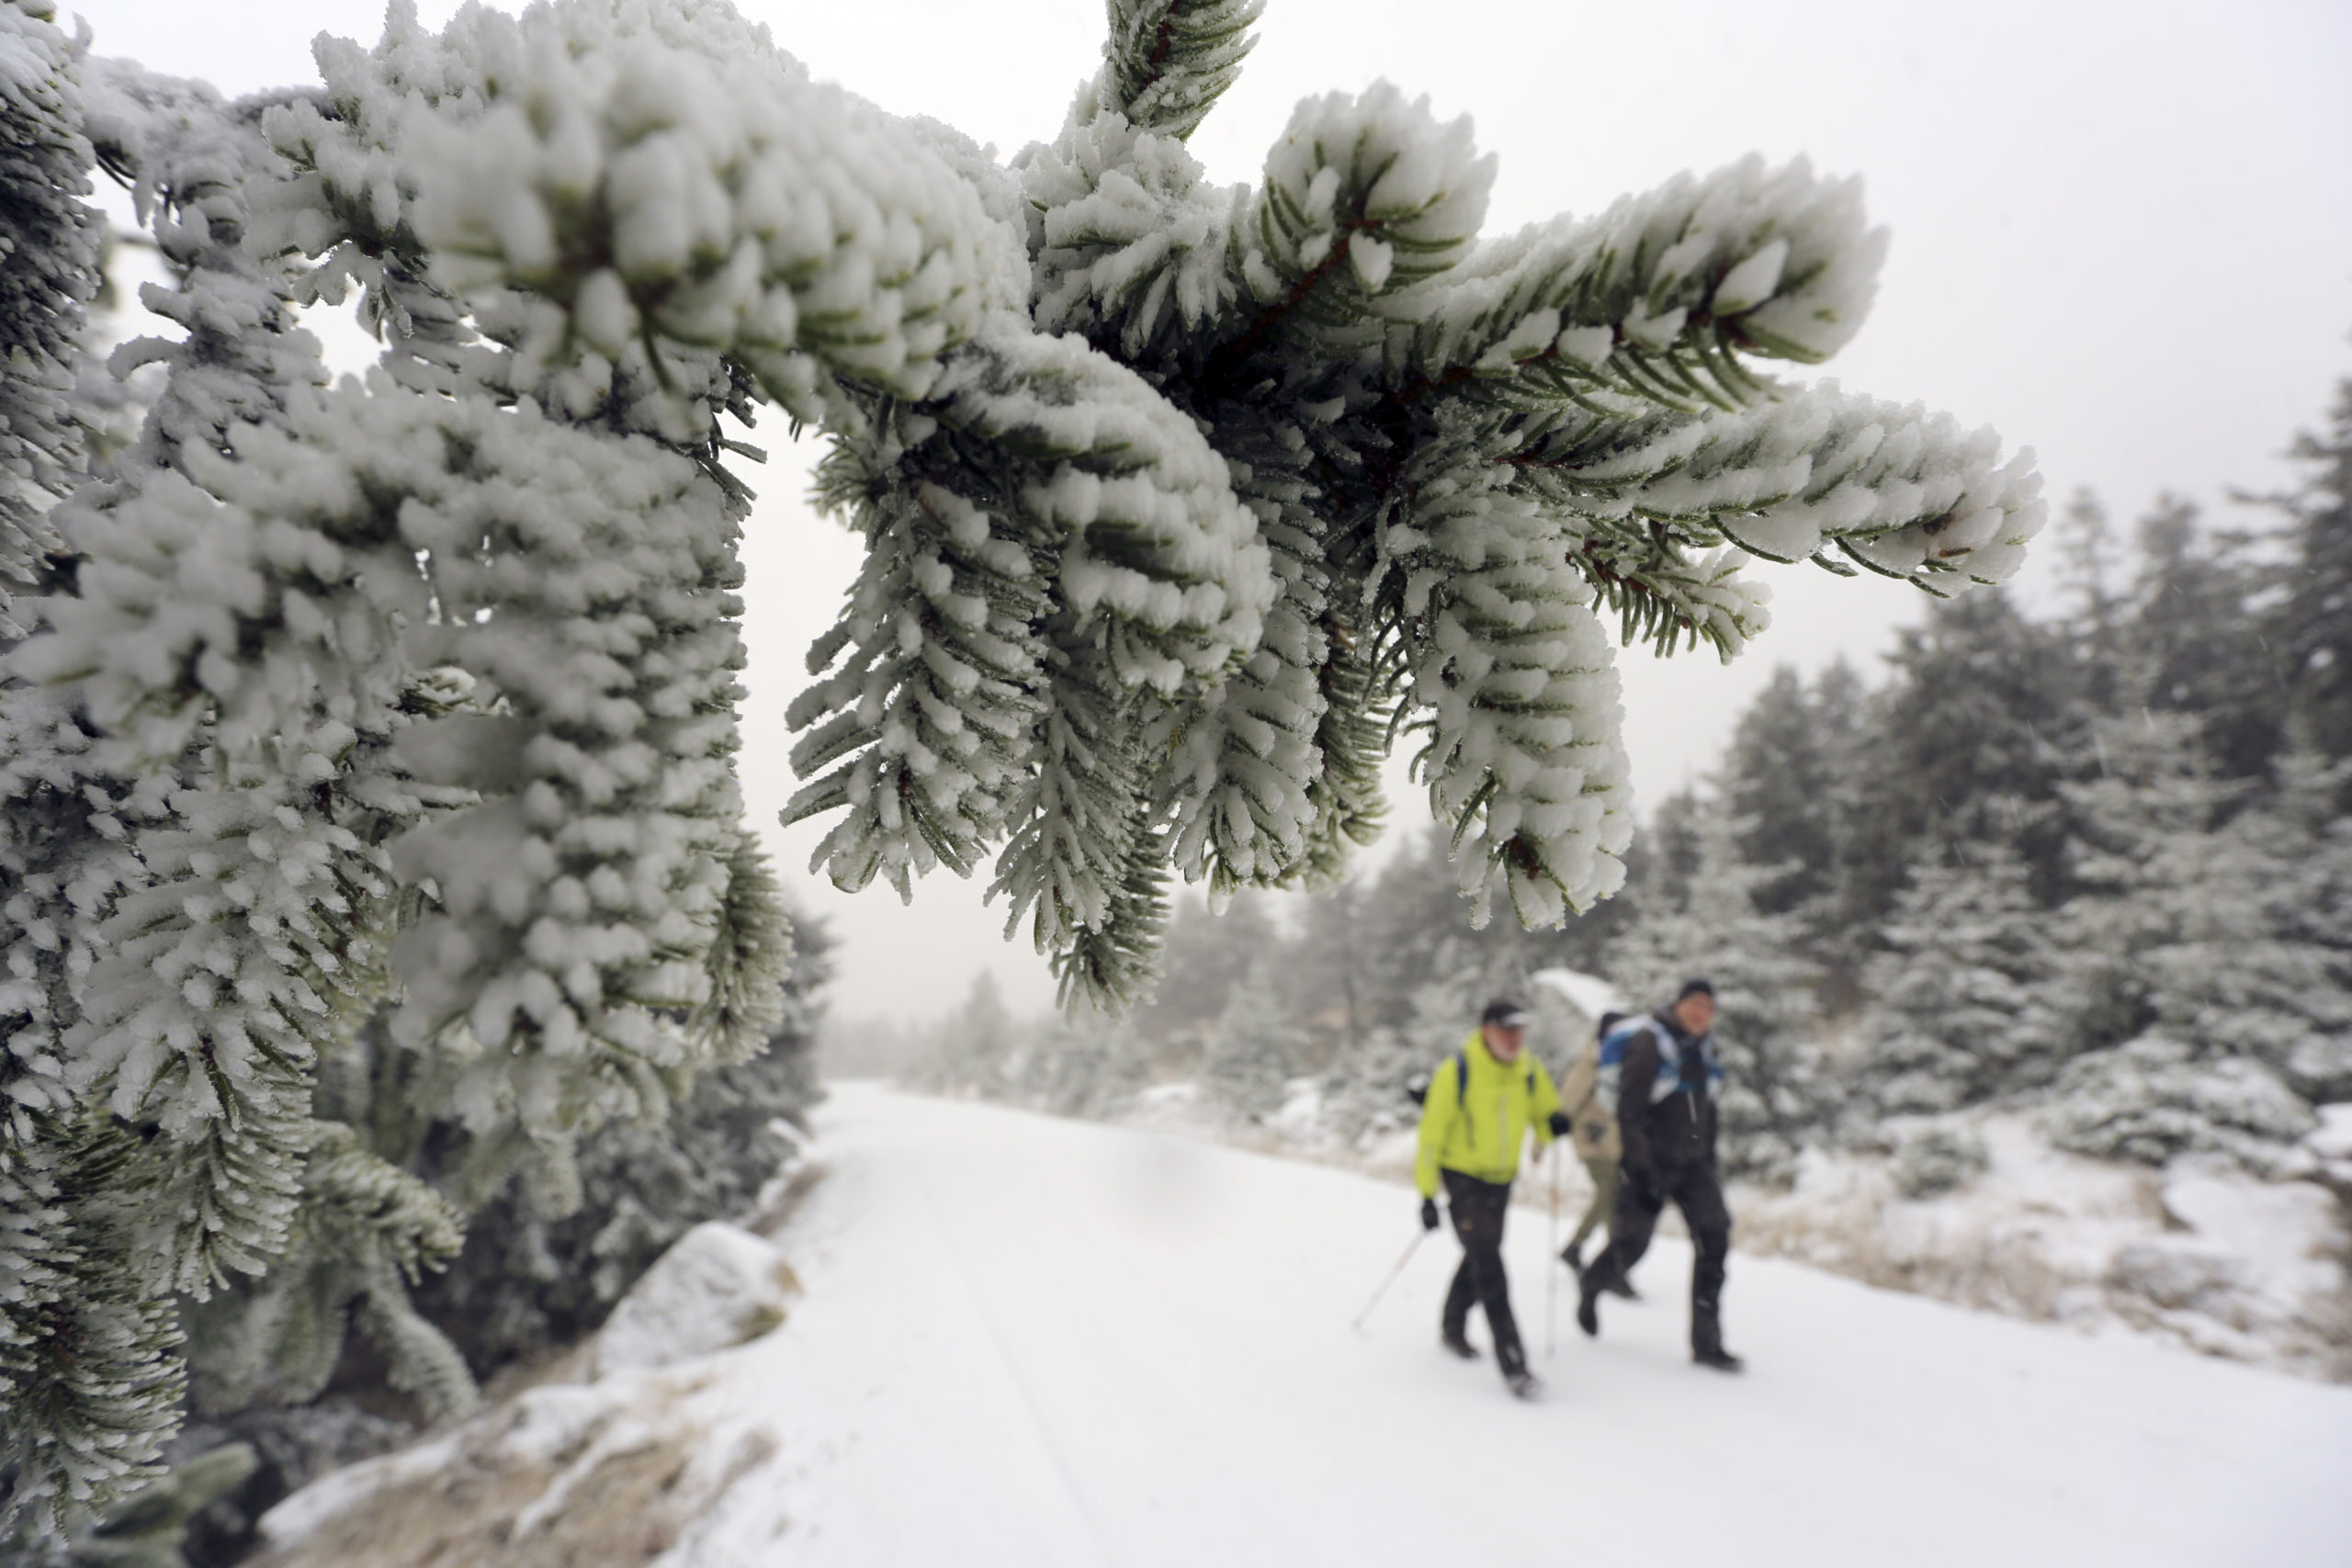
1662	1074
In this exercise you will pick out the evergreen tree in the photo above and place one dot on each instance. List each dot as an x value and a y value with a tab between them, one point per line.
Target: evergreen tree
1783	779
1408	939
1091	1065
1255	1051
2207	985
1327	971
1955	1014
1966	744
2312	624
1365	1088
2260	961
2087	553
2155	1097
51	241
975	1047
2216	923
1410	931
412	699
1672	850
1209	952
2141	822
2193	644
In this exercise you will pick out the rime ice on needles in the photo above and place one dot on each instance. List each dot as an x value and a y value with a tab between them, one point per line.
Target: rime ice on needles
1168	61
48	239
1462	453
624	193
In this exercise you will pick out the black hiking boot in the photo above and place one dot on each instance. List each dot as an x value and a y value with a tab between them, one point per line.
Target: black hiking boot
1589	1306
1572	1256
1622	1286
1524	1384
1458	1346
1707	1339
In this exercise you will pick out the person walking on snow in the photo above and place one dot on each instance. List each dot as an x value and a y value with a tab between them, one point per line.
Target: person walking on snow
1663	1076
1480	1107
1593	1131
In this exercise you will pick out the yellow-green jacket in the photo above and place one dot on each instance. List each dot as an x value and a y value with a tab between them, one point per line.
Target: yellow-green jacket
1479	1127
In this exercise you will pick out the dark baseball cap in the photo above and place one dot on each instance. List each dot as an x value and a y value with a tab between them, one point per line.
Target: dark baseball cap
1504	1013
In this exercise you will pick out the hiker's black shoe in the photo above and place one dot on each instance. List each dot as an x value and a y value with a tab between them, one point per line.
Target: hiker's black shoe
1458	1346
1524	1386
1572	1256
1588	1312
1720	1358
1620	1286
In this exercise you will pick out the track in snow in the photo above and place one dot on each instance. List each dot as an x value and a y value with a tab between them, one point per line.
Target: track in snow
1041	1342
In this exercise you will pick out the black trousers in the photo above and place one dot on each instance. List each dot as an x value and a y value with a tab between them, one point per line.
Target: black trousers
1695	1192
1478	1208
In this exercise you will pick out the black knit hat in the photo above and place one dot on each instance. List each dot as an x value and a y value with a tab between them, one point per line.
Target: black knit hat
1504	1012
1696	988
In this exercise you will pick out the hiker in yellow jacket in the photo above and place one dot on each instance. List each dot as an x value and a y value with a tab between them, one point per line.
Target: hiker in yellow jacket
1482	1104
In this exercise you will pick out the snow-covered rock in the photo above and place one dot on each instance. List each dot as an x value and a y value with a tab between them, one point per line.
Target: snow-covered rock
718	1285
620	1468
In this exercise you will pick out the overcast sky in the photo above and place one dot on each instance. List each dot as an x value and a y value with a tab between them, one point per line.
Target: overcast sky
2122	236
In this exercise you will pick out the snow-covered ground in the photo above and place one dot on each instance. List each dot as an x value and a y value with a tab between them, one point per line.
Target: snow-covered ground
1033	1341
2198	1253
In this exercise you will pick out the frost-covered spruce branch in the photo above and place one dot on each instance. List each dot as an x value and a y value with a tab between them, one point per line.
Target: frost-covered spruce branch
397	697
410	704
49	255
1462	452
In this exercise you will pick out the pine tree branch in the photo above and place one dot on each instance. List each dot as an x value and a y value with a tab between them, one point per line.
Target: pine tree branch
1168	61
1654	299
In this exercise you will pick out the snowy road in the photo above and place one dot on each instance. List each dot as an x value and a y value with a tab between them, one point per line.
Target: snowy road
1036	1342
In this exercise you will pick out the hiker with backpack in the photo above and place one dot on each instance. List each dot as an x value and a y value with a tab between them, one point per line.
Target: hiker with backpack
1662	1074
1593	1132
1480	1108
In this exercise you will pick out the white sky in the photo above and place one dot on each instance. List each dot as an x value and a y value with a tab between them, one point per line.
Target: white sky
2122	236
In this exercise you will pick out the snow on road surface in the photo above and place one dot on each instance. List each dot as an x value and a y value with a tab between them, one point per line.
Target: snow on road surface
1041	1342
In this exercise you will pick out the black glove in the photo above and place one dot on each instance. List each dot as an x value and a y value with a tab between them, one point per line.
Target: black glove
1429	1213
1559	1124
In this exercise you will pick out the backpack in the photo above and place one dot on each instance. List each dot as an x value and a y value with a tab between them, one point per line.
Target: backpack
1416	1088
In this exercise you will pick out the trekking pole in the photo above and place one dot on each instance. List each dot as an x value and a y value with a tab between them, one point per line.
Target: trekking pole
1552	1252
1365	1316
